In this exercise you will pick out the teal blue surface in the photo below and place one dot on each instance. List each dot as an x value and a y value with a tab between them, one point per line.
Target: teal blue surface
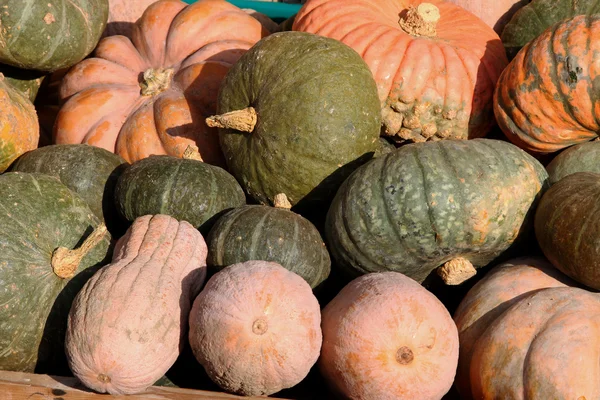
276	11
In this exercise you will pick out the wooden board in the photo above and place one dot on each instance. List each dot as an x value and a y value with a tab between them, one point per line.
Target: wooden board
24	386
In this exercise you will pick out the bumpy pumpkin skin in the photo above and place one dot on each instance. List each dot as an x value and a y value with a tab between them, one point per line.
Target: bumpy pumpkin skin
424	204
545	98
19	129
386	337
185	189
255	328
583	157
106	105
566	227
127	325
255	232
50	35
429	88
314	126
40	214
502	287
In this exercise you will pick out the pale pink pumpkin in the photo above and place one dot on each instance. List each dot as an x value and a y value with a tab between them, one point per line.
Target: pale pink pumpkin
495	14
386	337
127	325
122	15
255	328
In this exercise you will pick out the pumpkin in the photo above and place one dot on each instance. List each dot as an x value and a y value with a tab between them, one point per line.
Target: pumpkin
123	14
566	224
51	35
183	188
545	99
27	82
47	104
495	14
581	157
386	337
150	95
503	286
89	171
50	244
127	325
435	64
255	328
300	133
525	334
257	232
534	18
19	130
454	204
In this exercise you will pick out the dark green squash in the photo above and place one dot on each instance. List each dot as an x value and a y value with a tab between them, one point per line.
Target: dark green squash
185	189
38	214
455	204
89	171
303	112
258	232
26	81
583	157
567	227
534	18
49	35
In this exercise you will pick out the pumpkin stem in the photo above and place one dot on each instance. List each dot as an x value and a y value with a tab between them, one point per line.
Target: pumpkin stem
260	326
65	262
421	20
192	153
404	355
156	81
281	201
239	120
456	271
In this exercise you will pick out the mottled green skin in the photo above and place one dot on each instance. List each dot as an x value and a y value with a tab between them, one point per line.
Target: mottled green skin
583	157
423	204
187	190
49	35
318	117
534	18
39	214
257	232
26	81
567	227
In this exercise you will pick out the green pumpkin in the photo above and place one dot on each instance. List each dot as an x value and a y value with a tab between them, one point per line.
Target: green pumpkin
317	117
583	157
258	232
38	214
49	35
26	81
89	171
452	203
534	18
185	189
567	227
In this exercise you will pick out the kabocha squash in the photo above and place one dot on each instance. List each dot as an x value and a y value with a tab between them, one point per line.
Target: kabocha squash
128	323
50	35
566	227
505	285
435	64
183	188
50	244
297	113
255	328
583	157
495	14
19	129
457	204
26	81
89	171
534	18
150	95
256	232
386	337
545	99
525	335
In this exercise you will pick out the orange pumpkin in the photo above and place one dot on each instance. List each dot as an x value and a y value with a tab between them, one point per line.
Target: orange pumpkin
435	64
151	94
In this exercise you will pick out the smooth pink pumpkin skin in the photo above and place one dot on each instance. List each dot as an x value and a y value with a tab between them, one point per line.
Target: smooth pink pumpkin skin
496	14
122	14
127	325
228	335
369	326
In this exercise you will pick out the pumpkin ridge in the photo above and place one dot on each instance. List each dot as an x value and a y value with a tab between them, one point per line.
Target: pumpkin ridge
63	28
255	235
167	194
426	194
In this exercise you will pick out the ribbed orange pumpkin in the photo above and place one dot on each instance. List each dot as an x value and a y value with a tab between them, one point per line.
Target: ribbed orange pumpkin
151	94
435	78
547	97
